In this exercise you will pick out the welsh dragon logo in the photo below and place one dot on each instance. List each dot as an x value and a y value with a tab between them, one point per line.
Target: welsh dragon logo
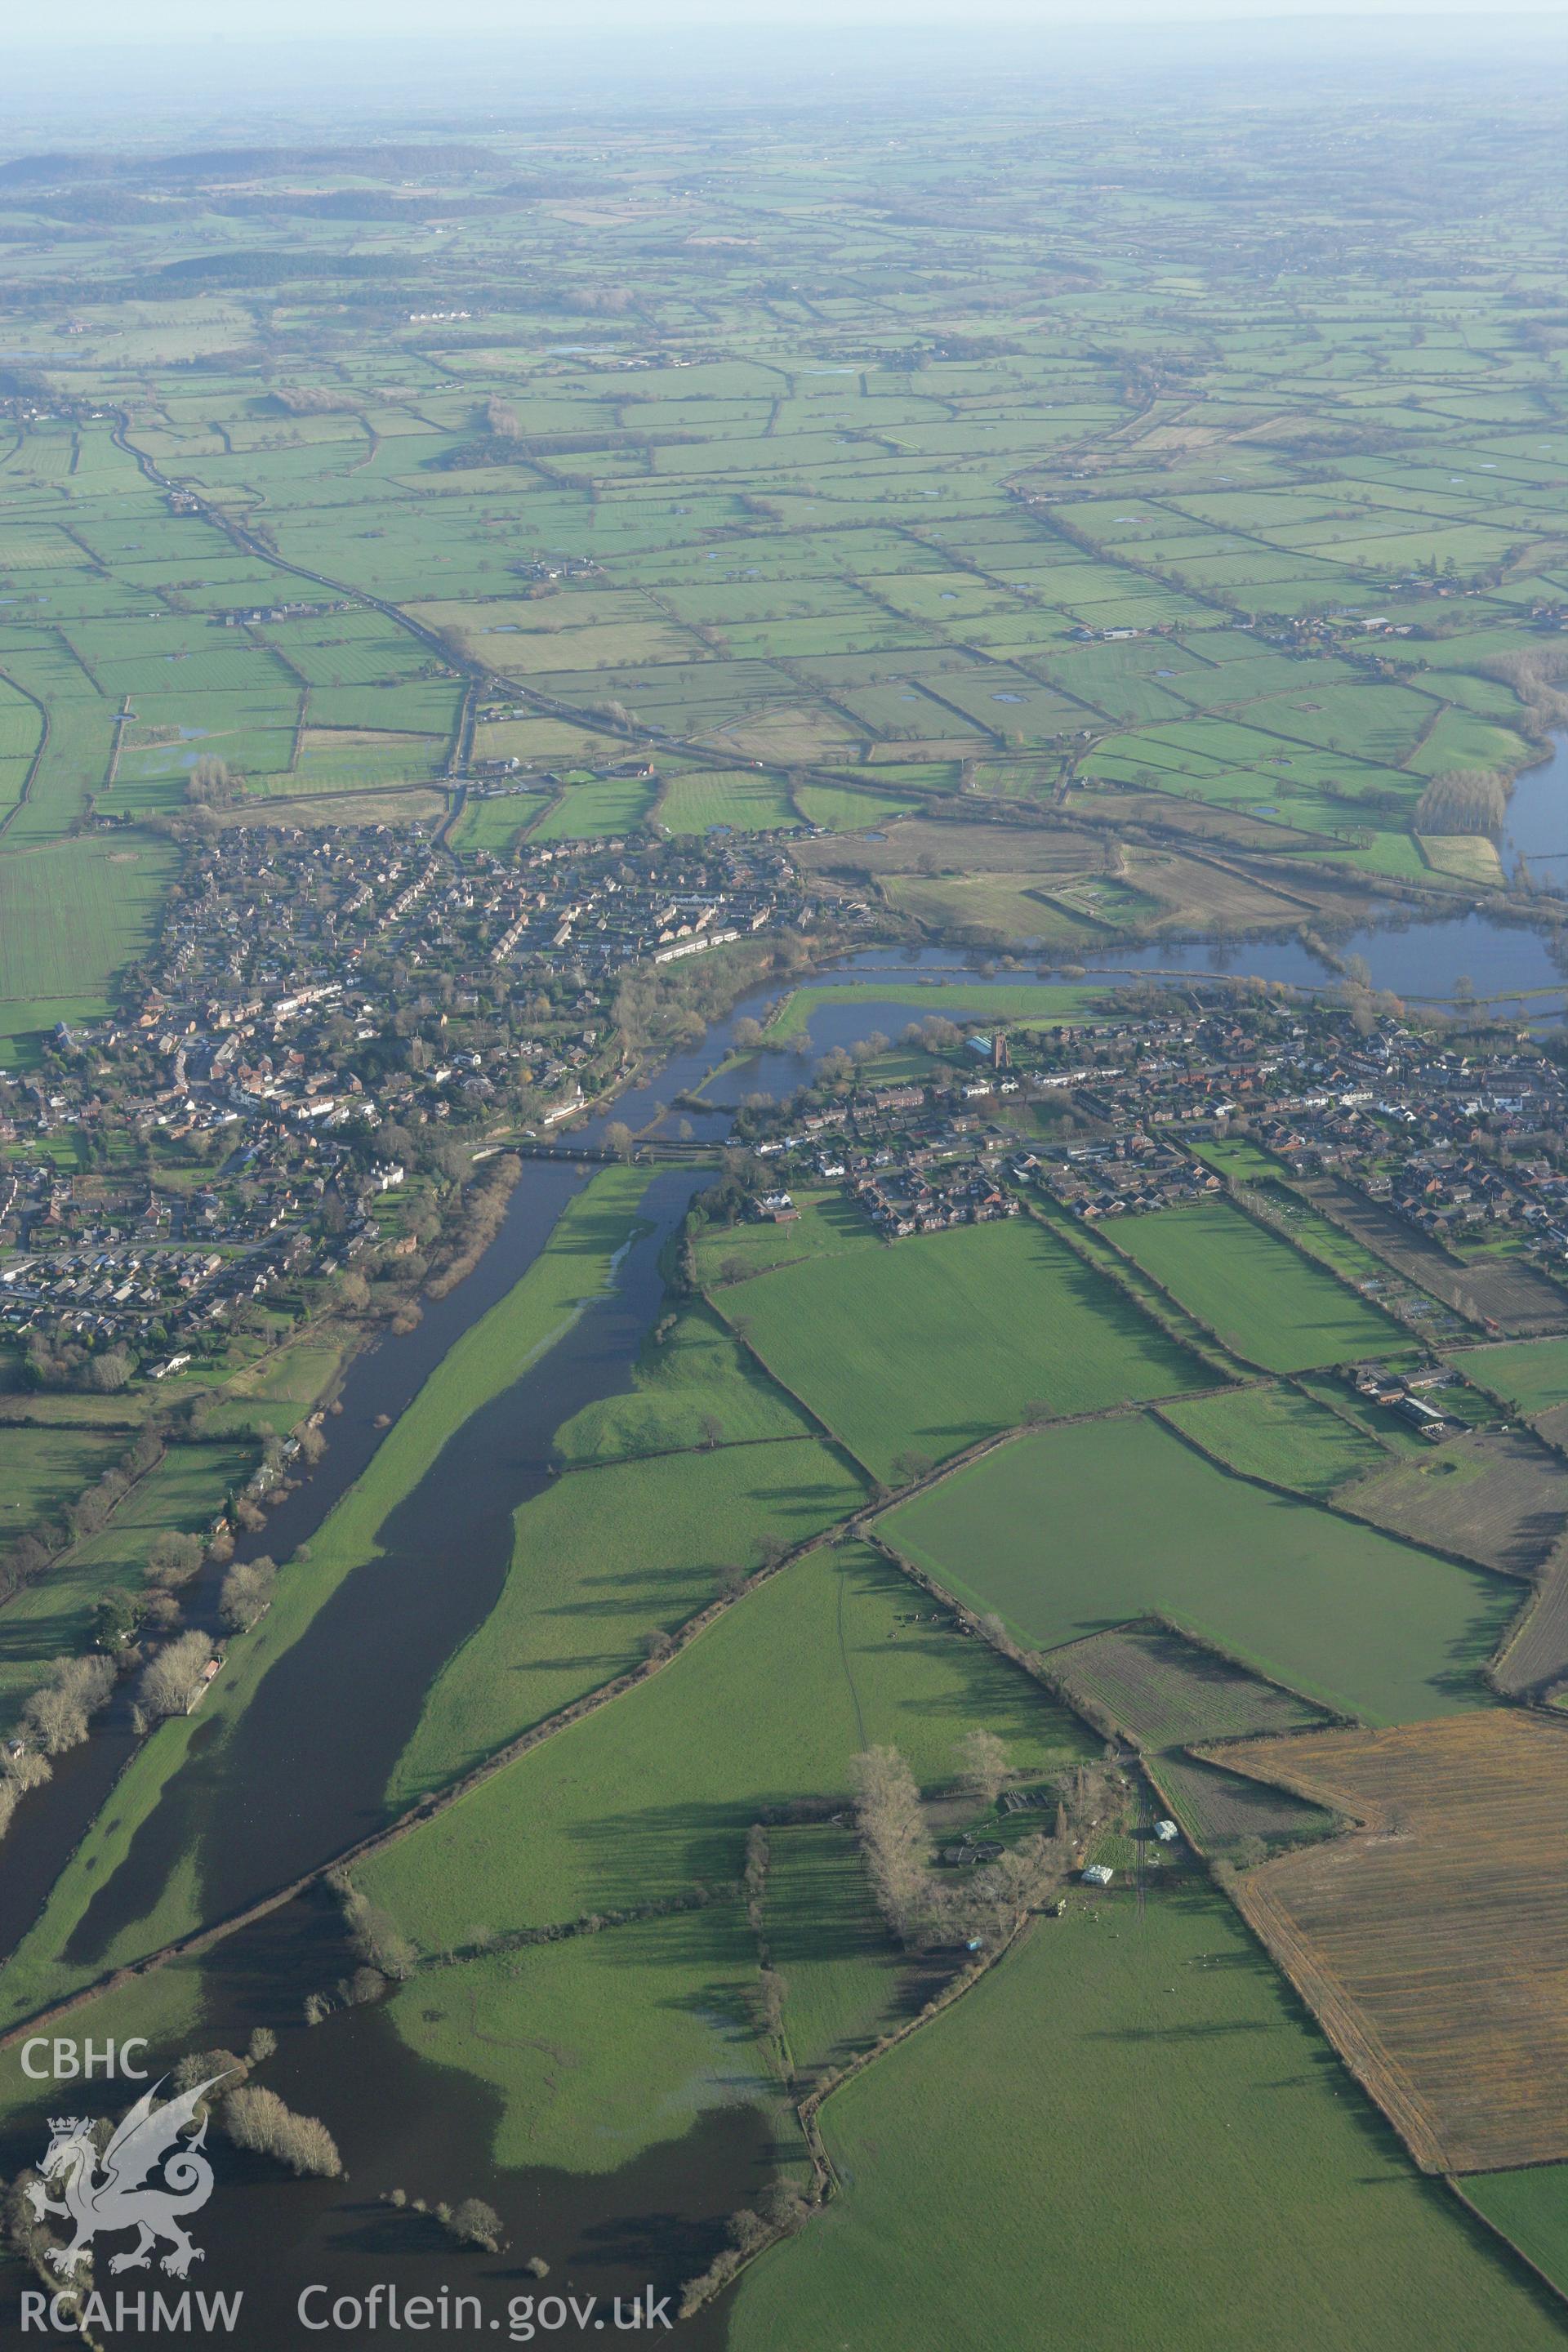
99	2195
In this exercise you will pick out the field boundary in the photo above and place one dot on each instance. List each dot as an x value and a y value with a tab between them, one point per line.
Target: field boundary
1061	1228
824	1428
1341	2019
1495	2228
1332	1506
36	761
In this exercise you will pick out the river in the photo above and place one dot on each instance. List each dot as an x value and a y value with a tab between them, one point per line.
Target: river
1536	826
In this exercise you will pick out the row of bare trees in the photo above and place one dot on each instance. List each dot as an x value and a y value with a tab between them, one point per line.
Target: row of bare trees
1463	800
980	1904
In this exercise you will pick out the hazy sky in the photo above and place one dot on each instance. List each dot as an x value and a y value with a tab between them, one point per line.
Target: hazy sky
94	23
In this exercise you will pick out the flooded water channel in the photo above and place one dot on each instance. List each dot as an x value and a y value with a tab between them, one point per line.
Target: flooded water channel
1536	826
402	2123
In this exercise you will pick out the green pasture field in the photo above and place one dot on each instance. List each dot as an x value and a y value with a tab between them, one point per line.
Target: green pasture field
842	810
1460	740
604	1560
71	915
1068	1531
43	1469
595	811
841	1969
1091	1242
542	742
740	800
1276	1433
75	761
365	758
1532	1374
695	1386
1531	2209
270	1397
418	707
495	824
652	1793
1041	2203
827	1223
575	1267
1264	1301
1036	1007
996	907
924	1345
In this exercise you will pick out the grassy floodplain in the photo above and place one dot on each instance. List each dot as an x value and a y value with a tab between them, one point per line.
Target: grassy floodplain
1257	2200
649	1799
604	1558
695	1386
603	2045
655	1792
1068	1531
573	1267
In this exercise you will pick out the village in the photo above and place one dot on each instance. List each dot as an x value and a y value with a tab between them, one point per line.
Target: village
324	1011
1464	1138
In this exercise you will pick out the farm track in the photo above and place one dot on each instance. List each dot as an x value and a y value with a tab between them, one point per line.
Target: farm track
36	761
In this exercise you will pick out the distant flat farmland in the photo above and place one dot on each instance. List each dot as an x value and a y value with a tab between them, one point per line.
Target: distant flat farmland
1431	1944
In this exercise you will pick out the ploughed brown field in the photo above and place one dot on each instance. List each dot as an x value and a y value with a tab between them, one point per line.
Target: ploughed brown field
1432	1943
1515	1297
1535	1656
1499	1496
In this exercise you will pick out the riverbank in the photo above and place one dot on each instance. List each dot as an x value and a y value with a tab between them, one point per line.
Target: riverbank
575	1267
